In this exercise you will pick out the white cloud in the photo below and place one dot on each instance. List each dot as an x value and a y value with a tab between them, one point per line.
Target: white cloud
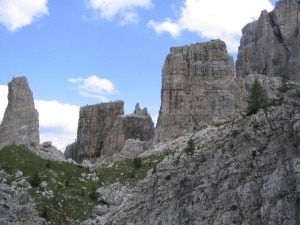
129	18
3	100
15	14
58	122
125	9
53	114
213	19
94	86
89	95
166	26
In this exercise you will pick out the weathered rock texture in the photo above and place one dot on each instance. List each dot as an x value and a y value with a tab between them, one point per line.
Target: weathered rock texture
138	126
271	45
14	209
103	130
246	172
20	124
198	88
95	123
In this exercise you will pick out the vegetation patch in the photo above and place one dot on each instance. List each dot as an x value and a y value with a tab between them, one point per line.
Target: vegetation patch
258	98
74	195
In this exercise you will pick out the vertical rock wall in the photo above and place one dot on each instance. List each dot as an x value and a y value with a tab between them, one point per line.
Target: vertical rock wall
137	126
103	130
95	123
271	45
198	88
20	124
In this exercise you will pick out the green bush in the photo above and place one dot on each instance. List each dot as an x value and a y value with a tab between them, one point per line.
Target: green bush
44	213
258	98
286	86
48	164
35	180
190	148
93	194
137	162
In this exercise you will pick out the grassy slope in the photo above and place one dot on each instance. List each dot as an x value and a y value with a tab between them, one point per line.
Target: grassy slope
71	202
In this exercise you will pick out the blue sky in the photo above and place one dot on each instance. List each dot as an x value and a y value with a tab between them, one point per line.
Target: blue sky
89	51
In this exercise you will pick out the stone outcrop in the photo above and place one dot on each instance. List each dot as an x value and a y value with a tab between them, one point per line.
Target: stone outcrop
49	152
245	172
198	88
95	123
103	130
137	126
13	209
271	45
20	124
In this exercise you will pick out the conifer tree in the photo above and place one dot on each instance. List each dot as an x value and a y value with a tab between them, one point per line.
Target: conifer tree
258	98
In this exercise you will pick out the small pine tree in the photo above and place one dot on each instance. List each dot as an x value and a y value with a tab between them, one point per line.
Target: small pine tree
48	164
35	180
190	148
137	162
285	84
93	194
258	98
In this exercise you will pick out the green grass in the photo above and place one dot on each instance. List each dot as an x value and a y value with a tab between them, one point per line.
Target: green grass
71	203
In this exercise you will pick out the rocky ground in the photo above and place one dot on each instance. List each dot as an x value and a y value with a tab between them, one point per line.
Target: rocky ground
243	172
16	205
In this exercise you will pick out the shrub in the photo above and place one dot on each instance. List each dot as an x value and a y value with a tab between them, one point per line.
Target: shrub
132	174
48	164
35	180
44	213
190	148
258	98
93	194
137	162
285	84
67	183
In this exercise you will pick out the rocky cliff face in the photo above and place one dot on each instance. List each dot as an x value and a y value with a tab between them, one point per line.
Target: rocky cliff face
95	123
20	123
271	45
137	126
198	88
103	130
245	172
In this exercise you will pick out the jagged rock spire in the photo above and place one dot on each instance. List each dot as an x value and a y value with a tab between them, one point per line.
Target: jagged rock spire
20	124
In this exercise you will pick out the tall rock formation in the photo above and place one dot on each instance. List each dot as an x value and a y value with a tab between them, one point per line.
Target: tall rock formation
271	45
138	126
20	124
198	88
103	130
95	123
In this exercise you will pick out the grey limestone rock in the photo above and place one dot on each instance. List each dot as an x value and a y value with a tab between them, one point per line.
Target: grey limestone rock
103	130
20	124
95	123
137	126
198	89
13	209
270	45
245	172
49	152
